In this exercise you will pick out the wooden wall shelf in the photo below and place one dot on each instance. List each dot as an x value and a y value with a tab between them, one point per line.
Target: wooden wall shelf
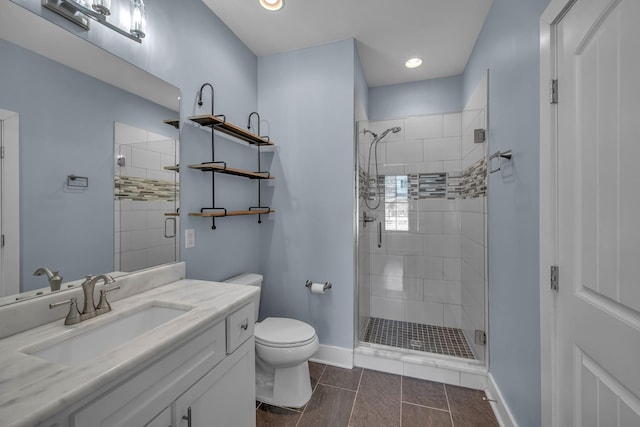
173	122
218	214
230	129
221	168
175	168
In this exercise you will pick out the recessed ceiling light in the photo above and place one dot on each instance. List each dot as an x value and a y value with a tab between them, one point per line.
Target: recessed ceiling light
272	5
413	63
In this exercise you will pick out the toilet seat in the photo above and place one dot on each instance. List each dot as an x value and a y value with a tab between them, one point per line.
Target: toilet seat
280	332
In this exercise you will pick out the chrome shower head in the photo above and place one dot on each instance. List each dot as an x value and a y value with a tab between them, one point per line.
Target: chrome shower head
395	129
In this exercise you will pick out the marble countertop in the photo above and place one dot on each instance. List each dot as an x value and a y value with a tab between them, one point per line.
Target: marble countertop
33	389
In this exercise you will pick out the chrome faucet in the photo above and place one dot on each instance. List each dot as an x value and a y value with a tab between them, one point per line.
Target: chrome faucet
54	279
89	310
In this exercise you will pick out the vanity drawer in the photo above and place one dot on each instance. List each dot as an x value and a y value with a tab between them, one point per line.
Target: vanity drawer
240	327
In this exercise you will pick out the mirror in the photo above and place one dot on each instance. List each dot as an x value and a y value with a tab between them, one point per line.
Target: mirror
67	121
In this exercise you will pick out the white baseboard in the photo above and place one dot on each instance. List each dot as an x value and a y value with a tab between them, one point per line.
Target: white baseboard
334	356
500	408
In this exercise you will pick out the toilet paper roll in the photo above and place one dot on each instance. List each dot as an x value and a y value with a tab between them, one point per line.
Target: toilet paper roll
317	288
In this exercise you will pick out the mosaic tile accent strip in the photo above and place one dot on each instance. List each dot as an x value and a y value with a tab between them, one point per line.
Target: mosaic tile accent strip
143	189
415	336
427	185
363	190
470	183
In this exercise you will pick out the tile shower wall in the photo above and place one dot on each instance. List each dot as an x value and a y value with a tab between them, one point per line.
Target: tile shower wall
415	275
140	240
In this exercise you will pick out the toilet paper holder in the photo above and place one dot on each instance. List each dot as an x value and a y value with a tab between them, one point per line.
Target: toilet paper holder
327	285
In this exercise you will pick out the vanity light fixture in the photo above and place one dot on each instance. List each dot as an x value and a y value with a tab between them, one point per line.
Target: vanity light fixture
413	63
103	7
137	18
78	12
272	5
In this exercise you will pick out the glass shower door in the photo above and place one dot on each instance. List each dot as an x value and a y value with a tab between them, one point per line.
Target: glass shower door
417	291
147	198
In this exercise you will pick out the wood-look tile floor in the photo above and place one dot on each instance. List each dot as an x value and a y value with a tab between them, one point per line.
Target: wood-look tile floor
363	398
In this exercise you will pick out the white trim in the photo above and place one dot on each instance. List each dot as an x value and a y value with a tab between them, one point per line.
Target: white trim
444	369
500	408
10	216
548	213
334	356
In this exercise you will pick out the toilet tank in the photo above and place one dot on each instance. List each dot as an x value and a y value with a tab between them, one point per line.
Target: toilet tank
249	279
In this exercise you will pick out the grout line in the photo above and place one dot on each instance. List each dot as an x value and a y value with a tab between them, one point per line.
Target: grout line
355	397
428	407
312	393
446	394
401	398
319	377
339	388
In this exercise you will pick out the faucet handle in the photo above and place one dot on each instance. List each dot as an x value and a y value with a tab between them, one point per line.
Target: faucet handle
73	316
103	305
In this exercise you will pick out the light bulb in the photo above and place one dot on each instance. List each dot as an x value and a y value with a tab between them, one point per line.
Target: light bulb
137	18
272	5
413	63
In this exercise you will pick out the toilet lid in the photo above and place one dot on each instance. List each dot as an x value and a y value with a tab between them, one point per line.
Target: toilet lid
279	331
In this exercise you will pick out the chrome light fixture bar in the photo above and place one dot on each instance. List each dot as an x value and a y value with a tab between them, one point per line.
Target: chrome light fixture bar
77	12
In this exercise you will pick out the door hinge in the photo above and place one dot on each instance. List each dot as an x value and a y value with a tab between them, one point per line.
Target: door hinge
554	278
481	337
2	241
553	91
2	152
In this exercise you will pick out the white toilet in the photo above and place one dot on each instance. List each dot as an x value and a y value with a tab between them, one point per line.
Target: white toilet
283	348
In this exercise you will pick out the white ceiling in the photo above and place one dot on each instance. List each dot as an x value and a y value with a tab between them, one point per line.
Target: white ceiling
441	32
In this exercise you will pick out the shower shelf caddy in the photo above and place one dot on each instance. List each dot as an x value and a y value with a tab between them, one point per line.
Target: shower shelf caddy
219	123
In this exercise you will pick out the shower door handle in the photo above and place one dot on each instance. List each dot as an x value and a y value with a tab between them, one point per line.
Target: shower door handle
172	232
380	234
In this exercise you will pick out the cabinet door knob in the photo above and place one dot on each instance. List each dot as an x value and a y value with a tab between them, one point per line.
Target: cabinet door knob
188	416
245	325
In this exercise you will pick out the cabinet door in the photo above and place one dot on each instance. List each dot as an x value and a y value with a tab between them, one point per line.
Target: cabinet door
225	396
162	420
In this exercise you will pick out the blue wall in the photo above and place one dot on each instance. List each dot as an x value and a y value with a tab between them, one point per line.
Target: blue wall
187	45
361	90
308	98
509	47
433	96
64	131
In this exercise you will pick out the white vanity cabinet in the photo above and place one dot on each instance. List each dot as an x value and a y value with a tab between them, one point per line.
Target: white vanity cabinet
202	376
219	398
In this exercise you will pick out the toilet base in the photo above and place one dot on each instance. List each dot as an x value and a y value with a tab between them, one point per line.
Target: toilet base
290	387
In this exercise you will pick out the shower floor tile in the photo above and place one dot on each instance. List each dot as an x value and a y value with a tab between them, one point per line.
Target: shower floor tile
415	336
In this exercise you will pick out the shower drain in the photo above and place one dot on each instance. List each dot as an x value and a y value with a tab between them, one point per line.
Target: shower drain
415	343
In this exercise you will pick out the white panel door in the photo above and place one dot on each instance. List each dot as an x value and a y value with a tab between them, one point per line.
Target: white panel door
599	214
9	204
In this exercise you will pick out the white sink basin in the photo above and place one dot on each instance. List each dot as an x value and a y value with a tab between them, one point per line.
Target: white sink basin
96	341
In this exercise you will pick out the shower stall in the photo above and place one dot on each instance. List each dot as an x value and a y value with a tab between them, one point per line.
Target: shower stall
422	237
